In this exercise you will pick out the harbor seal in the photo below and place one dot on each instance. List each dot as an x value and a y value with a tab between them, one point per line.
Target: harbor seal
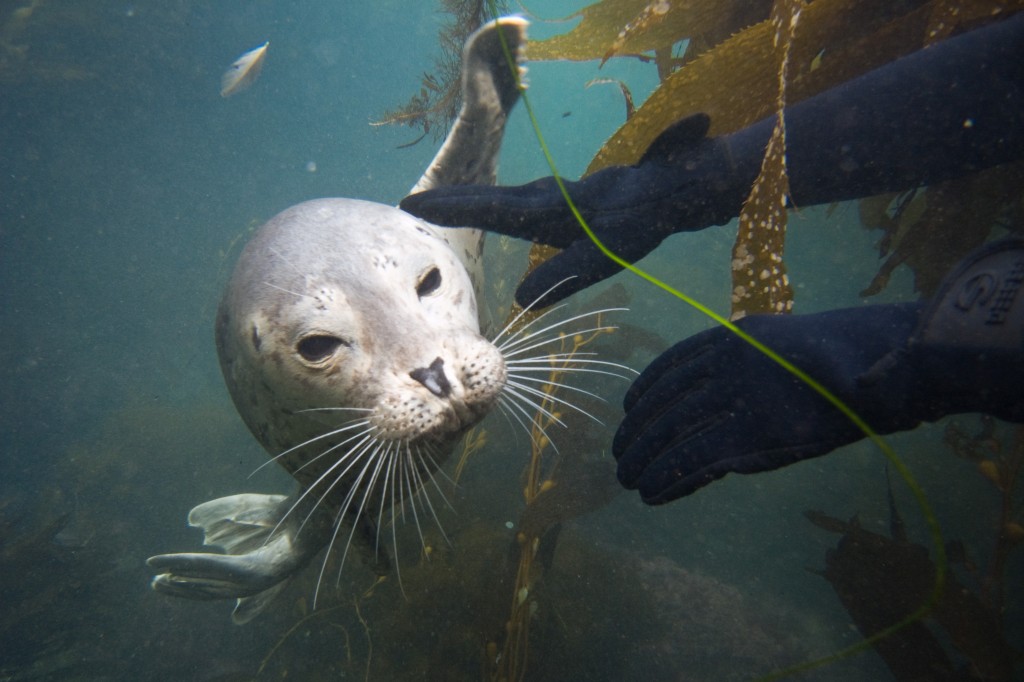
350	342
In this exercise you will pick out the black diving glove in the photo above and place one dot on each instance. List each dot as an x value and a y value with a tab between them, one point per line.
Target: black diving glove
713	404
685	181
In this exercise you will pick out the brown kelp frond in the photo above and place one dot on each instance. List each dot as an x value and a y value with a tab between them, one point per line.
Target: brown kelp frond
437	103
634	27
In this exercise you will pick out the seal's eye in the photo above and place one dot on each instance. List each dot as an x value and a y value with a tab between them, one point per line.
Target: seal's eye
429	284
318	347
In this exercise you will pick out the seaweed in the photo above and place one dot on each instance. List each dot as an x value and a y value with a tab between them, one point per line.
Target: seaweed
436	105
881	579
548	504
932	229
999	458
631	28
759	280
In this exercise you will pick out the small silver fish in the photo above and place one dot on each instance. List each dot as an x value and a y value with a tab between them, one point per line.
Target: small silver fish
243	72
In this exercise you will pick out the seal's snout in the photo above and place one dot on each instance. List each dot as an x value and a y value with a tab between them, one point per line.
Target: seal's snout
433	378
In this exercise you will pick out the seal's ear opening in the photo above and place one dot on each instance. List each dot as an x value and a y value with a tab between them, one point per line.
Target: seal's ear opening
429	283
318	347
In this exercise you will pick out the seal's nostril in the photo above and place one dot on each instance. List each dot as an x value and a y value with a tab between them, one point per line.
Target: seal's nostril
433	378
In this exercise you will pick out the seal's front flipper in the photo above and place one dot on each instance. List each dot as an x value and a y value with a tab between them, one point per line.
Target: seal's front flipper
216	576
260	534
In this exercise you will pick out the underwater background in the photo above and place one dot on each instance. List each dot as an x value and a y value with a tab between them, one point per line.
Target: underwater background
128	186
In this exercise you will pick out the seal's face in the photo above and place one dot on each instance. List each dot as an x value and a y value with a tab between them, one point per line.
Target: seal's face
354	319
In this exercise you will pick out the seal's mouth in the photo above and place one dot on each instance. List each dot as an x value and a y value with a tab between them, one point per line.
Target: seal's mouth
437	423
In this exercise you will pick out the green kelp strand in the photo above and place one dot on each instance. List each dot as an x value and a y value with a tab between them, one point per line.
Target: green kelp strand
934	529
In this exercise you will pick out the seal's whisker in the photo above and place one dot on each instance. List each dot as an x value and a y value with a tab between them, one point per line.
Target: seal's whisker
357	513
556	384
504	404
379	462
345	507
530	307
544	364
514	349
510	390
416	485
390	457
386	462
503	410
350	425
436	467
418	488
512	342
521	372
288	291
354	453
410	481
543	395
431	465
558	339
298	271
552	336
387	458
509	415
333	448
397	485
567	355
400	465
519	334
533	420
339	518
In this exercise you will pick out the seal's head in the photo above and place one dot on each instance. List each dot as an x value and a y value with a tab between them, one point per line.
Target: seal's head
354	319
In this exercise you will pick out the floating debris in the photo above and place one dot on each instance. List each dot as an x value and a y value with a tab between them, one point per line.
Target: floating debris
243	72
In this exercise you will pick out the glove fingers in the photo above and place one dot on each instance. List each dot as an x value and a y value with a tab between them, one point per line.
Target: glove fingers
582	262
682	470
536	211
586	263
684	352
700	460
672	411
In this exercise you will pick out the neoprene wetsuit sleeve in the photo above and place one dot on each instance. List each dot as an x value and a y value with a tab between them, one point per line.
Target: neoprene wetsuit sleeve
941	112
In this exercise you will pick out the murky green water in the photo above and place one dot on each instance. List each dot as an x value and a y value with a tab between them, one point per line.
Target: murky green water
127	187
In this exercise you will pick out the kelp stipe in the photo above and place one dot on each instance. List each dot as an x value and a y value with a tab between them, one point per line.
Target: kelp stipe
935	531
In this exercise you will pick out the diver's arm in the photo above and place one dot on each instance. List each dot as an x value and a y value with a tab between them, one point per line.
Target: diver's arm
939	113
949	109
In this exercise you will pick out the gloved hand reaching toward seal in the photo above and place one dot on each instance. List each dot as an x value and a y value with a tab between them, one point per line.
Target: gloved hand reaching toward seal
936	114
714	405
685	181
